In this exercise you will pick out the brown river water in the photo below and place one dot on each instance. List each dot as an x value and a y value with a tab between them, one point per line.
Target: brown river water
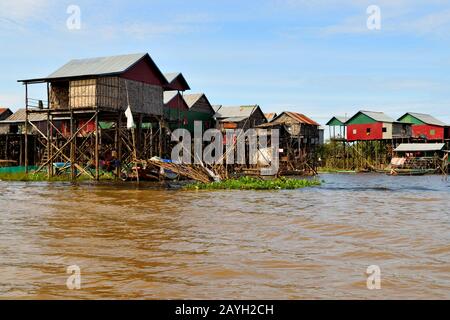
135	242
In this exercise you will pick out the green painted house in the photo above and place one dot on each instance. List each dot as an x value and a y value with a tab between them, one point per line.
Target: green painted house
200	109
337	128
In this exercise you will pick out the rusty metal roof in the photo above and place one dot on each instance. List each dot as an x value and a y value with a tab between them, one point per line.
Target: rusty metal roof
270	116
19	116
299	117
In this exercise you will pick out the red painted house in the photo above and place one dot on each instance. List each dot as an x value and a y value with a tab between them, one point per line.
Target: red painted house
369	126
176	82
424	126
107	83
175	109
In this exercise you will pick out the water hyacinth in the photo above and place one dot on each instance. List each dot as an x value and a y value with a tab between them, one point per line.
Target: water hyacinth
250	183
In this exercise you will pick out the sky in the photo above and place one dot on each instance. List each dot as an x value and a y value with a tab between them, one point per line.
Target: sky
314	57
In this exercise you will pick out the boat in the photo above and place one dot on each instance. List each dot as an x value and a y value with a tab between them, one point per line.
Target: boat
410	172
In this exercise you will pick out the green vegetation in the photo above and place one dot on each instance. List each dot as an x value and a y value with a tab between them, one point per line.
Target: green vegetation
249	183
336	156
22	177
334	170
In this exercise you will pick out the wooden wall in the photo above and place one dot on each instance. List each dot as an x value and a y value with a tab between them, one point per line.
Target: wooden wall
59	95
108	93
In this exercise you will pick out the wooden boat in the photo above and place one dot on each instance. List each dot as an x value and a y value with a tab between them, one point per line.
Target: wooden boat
410	172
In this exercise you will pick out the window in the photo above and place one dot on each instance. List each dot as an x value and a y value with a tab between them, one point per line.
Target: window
355	131
433	132
384	130
368	131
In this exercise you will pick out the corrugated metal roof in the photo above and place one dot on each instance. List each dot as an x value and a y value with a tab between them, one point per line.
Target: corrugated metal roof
171	76
236	112
169	96
270	116
378	116
216	107
20	116
420	147
191	99
428	119
341	119
299	117
233	119
97	66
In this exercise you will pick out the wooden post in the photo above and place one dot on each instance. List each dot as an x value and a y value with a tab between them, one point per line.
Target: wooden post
50	144
72	148
97	164
139	137
119	143
6	147
26	128
21	150
160	146
151	141
49	128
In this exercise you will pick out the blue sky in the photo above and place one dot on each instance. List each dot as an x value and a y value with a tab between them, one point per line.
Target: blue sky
314	57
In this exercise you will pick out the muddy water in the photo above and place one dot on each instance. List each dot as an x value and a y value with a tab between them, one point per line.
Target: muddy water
141	242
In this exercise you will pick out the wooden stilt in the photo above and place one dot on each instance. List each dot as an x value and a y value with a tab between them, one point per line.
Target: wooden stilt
26	128
73	173
119	144
97	158
49	129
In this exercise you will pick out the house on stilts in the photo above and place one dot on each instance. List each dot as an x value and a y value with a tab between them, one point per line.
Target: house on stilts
84	93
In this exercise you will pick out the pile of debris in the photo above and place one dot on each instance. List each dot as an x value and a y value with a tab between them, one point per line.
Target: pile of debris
170	170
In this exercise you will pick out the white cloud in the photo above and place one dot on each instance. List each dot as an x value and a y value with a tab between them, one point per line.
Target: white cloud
414	17
22	11
437	23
